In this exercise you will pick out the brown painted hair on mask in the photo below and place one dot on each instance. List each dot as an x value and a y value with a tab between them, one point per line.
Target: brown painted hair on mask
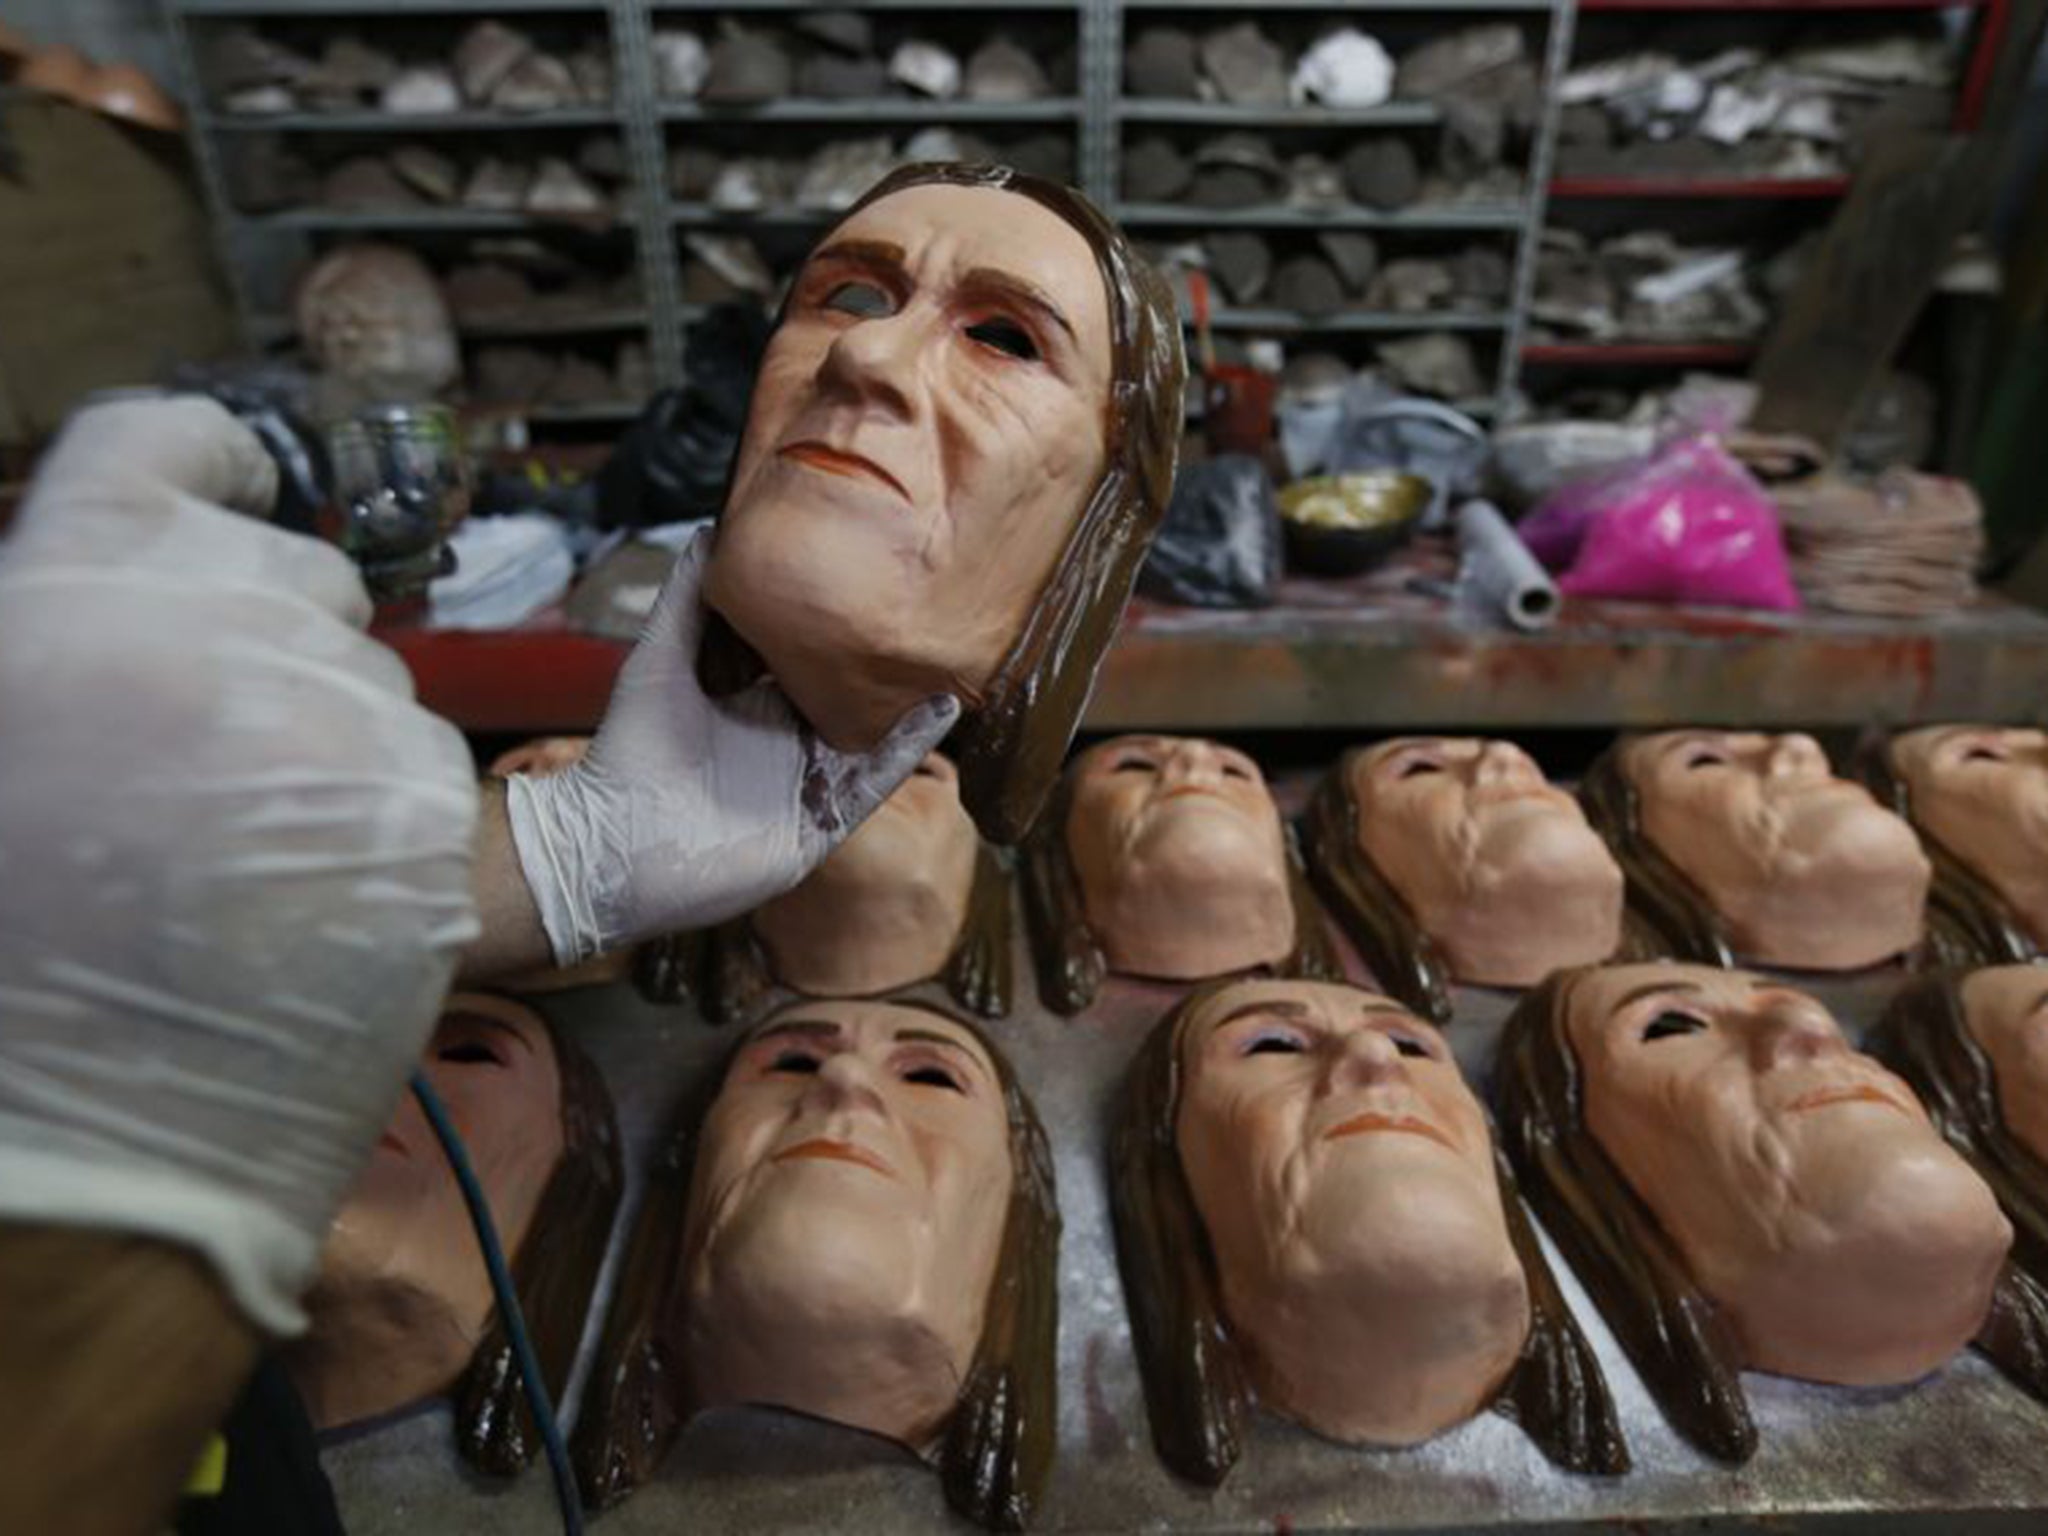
1668	917
669	970
1925	1037
554	1274
996	1453
1196	1391
1968	922
1068	954
1010	742
1381	926
1679	1341
730	973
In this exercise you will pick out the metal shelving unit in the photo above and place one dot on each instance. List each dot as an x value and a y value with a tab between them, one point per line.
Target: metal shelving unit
1098	114
1770	194
258	241
1521	218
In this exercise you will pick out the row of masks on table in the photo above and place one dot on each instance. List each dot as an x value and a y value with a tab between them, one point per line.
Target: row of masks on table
855	1217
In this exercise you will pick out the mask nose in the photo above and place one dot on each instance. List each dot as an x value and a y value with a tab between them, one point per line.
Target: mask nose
1503	765
1366	1057
846	1082
1796	756
874	361
1788	1034
1192	765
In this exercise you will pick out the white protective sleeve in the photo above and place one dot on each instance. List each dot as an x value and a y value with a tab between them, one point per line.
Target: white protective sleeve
234	856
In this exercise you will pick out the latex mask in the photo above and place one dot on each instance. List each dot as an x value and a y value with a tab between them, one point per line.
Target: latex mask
1308	1203
913	894
1789	1204
1740	845
1453	858
1165	857
1981	794
402	1308
960	444
376	326
1974	1045
861	1228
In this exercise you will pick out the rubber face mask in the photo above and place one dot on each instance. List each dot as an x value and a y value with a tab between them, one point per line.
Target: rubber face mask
1345	1176
2006	1008
1807	870
845	1216
1808	1193
928	424
403	1248
1181	858
1982	793
885	909
1498	866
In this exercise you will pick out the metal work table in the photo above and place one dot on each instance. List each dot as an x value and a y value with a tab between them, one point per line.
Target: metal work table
1961	1451
1373	653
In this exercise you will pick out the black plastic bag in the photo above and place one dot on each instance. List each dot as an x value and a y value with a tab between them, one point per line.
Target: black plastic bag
1220	544
673	463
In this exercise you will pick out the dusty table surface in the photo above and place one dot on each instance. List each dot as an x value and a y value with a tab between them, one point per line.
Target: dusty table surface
1379	651
1962	1443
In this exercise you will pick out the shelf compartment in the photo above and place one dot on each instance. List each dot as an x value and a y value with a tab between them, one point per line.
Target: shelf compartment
880	109
1701	187
455	220
1392	114
1350	7
1780	5
293	10
1373	321
1644	354
702	7
1439	216
408	123
703	216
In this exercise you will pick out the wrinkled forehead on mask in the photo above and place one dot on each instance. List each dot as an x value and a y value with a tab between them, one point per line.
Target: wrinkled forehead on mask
1010	748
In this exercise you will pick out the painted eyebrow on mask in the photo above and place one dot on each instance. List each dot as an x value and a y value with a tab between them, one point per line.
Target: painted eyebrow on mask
860	253
464	1016
1290	1008
1651	989
813	1029
933	1037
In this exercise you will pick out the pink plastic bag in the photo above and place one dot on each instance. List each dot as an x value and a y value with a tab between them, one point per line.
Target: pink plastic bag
1685	525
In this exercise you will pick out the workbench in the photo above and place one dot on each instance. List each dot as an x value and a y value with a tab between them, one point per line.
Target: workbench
1963	1451
1387	651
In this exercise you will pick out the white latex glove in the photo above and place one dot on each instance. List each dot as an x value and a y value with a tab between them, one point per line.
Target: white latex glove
234	857
687	811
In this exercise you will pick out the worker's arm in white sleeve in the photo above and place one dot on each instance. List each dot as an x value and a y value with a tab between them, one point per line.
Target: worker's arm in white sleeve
685	811
234	880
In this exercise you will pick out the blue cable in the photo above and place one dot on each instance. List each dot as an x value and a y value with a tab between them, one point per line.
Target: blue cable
508	1303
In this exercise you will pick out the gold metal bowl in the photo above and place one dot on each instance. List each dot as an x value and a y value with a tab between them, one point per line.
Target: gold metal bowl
1339	525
